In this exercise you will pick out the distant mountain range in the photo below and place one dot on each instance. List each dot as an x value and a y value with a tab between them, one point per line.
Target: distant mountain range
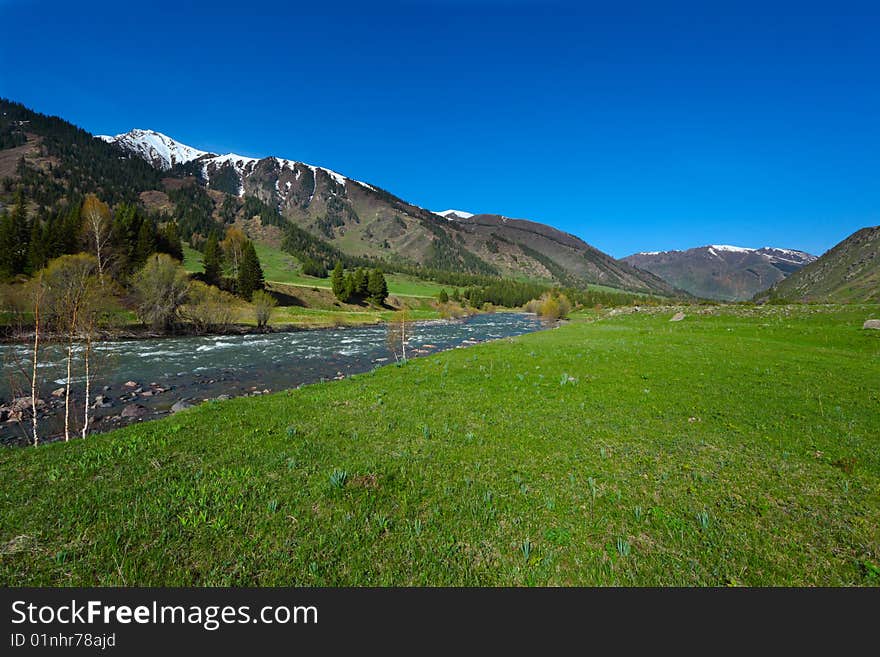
849	272
361	219
720	271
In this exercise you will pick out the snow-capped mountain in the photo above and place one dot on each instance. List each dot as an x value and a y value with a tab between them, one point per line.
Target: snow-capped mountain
160	150
351	214
722	271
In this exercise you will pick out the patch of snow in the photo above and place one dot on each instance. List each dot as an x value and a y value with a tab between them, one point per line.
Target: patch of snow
461	214
363	184
728	247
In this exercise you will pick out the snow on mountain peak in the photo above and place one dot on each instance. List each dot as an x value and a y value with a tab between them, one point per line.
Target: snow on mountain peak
461	214
160	150
163	152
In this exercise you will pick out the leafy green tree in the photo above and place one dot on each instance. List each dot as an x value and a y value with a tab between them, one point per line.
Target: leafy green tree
263	303
250	273
337	282
161	288
377	287
212	259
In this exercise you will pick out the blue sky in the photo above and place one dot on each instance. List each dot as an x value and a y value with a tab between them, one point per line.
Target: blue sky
636	126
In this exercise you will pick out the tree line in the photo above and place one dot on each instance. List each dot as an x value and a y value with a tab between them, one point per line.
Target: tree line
359	285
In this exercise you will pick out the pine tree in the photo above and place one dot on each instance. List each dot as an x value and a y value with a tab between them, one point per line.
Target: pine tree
359	282
211	258
38	252
377	287
15	238
337	282
443	297
171	243
250	273
146	242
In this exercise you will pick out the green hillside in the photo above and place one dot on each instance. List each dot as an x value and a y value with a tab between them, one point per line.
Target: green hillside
848	273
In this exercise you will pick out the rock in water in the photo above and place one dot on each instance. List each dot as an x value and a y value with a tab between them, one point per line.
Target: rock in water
134	410
58	392
102	401
181	405
871	324
677	317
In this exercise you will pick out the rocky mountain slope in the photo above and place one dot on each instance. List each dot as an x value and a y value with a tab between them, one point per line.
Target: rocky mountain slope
849	272
363	220
722	272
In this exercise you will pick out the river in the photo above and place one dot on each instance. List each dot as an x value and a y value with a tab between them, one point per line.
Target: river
196	368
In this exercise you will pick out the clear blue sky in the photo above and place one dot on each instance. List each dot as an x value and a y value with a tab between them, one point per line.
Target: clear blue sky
636	126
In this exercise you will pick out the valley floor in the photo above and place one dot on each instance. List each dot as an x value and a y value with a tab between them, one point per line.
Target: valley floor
738	446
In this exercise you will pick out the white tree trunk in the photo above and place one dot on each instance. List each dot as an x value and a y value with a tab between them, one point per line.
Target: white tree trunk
88	353
67	391
34	368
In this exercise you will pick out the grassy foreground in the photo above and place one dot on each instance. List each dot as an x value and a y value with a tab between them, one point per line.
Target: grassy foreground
738	447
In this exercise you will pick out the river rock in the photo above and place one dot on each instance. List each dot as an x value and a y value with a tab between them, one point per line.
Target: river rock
147	393
222	397
102	401
134	410
677	317
131	384
181	405
59	392
871	324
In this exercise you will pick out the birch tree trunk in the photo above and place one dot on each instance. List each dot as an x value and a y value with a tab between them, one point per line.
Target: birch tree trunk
88	354
70	337
39	293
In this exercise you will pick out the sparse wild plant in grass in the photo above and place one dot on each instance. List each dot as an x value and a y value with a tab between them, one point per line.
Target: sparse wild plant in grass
703	520
338	478
623	547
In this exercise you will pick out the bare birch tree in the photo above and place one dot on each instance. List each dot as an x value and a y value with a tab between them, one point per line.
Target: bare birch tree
73	300
233	246
395	336
97	229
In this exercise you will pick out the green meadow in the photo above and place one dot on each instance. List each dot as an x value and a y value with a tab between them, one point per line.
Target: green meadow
740	446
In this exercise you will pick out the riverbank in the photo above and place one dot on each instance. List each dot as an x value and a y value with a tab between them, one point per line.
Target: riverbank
138	380
723	449
287	320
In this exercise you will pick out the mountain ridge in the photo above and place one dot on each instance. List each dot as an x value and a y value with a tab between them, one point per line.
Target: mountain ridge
722	271
847	272
364	220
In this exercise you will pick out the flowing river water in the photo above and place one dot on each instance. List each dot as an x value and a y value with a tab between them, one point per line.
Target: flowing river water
171	370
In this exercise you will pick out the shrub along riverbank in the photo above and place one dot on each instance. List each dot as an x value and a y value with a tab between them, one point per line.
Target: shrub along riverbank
737	446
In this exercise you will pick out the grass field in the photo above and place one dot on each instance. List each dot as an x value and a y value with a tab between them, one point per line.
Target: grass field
738	447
